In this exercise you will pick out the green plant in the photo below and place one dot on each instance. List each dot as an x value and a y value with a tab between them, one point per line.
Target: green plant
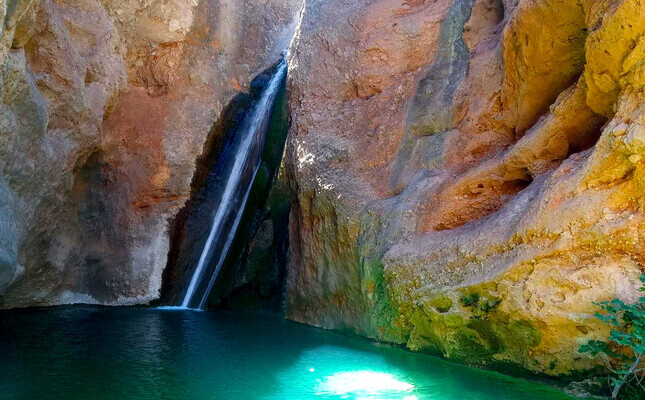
470	300
624	352
490	304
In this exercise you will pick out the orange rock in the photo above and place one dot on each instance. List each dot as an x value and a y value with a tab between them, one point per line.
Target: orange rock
472	172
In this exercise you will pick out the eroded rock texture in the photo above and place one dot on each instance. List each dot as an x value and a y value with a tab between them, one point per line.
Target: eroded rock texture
106	106
469	173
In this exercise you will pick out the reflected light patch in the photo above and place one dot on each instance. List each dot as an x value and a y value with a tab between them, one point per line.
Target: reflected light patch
362	382
177	308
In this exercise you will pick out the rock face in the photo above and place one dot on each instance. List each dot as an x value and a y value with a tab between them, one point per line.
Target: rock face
469	174
106	106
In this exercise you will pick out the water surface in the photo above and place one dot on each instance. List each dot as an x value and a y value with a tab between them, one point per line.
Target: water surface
135	353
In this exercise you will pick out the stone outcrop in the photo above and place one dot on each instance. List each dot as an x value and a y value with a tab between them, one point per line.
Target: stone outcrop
106	105
468	173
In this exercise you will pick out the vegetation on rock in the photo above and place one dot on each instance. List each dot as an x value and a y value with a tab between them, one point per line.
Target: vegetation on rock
624	351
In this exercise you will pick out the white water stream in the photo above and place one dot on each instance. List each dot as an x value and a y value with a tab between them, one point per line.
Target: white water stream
229	212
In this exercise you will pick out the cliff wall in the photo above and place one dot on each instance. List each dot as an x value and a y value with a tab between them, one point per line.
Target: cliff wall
469	173
106	106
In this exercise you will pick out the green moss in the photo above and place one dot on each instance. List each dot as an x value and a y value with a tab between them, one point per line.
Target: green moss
443	304
489	304
553	364
453	320
480	302
478	335
381	310
467	345
514	338
470	299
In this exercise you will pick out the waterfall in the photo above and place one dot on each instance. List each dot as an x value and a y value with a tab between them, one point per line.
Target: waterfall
241	174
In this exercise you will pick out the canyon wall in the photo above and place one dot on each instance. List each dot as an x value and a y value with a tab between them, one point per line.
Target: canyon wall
469	174
106	106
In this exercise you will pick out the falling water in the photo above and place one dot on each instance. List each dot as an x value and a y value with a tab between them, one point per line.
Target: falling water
238	184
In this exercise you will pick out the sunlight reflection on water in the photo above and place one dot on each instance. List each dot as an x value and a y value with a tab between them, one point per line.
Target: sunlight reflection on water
364	383
80	353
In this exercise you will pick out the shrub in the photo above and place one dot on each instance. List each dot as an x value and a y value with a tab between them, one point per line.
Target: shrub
624	352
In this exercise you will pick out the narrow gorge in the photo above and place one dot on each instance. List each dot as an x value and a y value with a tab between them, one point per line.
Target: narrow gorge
462	179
